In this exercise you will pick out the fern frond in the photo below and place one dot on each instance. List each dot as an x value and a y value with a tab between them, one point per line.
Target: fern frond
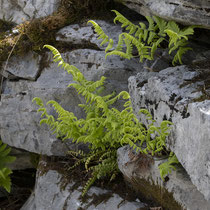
162	25
88	184
125	22
119	53
100	32
180	52
168	166
110	45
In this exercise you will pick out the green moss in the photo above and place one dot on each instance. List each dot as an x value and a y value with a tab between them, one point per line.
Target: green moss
154	194
34	158
5	25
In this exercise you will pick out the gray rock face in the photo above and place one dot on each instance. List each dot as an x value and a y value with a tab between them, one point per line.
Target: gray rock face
50	194
25	68
136	168
19	122
87	35
188	12
21	10
172	94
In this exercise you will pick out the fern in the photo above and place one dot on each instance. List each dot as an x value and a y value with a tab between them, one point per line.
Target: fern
104	128
166	167
147	40
5	180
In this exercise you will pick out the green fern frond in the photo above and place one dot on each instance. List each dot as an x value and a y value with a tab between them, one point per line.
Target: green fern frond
162	25
5	180
110	45
166	167
118	53
178	57
146	39
100	32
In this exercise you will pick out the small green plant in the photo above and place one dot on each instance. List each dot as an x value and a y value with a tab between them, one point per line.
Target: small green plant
168	166
146	39
104	128
5	180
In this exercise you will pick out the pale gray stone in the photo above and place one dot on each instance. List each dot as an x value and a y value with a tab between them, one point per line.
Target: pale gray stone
19	11
179	184
49	193
84	33
184	11
26	67
172	94
19	121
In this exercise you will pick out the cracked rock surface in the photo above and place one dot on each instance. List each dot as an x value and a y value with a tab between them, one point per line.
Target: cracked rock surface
19	121
176	94
143	173
51	193
188	12
19	11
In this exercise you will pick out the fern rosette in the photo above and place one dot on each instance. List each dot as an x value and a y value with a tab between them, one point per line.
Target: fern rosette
104	129
5	172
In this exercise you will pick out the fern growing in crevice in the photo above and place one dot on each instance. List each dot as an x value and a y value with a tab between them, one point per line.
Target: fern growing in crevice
168	166
104	128
5	172
146	39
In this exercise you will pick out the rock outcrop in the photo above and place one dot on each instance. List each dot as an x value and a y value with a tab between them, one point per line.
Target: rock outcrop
18	11
51	192
180	94
19	122
143	174
188	12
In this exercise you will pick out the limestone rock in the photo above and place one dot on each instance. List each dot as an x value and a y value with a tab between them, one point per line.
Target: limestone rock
19	122
21	10
51	193
23	160
188	12
84	33
177	94
26	67
143	173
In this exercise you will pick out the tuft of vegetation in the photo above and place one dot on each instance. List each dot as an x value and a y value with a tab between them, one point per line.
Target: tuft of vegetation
5	172
104	128
146	39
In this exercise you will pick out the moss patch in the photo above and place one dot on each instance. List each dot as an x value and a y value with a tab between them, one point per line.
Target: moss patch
154	194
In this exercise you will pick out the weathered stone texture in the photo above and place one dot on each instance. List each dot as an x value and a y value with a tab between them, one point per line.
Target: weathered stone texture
21	10
52	193
172	94
137	170
194	12
19	122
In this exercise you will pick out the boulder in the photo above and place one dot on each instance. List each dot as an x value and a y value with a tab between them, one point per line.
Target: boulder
18	11
23	160
26	67
19	121
84	33
143	173
187	12
180	94
53	191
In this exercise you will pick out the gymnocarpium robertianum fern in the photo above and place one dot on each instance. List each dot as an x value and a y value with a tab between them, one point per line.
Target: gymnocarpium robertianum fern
104	128
5	180
146	39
